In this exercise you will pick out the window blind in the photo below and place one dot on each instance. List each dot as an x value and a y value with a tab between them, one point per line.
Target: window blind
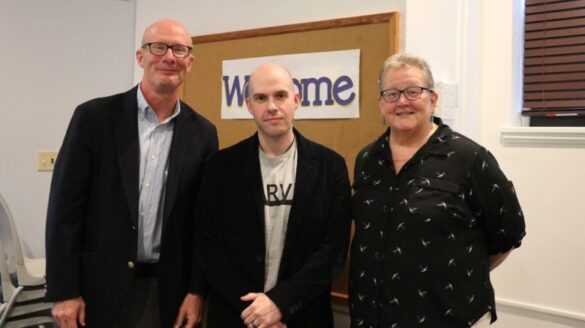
554	58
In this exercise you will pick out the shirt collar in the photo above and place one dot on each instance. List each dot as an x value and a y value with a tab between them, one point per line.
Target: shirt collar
435	145
143	106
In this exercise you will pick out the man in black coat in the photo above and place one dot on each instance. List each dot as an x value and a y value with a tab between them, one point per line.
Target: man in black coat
121	208
274	217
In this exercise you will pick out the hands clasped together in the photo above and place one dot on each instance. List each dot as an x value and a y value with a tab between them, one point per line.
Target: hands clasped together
262	313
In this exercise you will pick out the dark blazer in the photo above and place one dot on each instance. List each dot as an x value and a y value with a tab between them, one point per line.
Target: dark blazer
231	241
91	236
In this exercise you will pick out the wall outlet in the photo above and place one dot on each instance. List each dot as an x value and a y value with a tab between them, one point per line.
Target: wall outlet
447	94
448	101
46	160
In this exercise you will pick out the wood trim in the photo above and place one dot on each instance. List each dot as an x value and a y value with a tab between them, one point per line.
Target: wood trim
339	295
340	299
394	21
302	27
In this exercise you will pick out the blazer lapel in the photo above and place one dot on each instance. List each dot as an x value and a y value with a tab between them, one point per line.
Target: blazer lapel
253	175
128	149
182	138
307	168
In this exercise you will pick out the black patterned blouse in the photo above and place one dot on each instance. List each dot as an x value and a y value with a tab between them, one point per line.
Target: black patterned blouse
420	253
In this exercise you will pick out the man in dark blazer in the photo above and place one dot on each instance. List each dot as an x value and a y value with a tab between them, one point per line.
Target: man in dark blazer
121	207
274	218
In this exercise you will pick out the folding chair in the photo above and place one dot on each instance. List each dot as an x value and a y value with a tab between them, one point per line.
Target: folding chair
29	272
18	309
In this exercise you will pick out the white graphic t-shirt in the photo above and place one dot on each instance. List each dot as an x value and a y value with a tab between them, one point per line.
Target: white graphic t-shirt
278	181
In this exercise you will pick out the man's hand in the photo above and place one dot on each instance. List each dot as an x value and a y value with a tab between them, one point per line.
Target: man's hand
69	313
262	313
190	311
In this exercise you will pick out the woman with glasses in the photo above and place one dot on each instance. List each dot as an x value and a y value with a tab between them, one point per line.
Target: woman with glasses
433	214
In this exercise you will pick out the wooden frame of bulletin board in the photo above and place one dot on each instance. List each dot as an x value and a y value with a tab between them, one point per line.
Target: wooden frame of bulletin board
375	35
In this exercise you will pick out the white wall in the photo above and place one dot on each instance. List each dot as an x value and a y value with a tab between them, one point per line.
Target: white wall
547	273
55	54
211	16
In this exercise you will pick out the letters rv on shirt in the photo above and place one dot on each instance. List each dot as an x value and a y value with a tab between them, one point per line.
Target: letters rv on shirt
278	181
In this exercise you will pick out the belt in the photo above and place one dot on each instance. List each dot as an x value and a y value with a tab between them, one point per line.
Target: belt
145	270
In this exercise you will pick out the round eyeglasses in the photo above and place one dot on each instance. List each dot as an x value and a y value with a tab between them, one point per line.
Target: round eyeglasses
412	93
160	49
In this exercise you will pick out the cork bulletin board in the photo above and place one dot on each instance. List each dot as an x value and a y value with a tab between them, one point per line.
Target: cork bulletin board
375	35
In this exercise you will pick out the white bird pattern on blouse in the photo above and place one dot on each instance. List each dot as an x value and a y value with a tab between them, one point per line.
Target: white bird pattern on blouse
400	218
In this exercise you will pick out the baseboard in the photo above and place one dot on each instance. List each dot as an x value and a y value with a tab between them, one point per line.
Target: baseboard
540	312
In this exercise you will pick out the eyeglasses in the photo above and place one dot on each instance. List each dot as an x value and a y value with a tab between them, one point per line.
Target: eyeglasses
160	49
412	93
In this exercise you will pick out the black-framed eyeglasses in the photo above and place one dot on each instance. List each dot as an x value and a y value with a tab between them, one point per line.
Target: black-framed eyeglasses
412	93
160	49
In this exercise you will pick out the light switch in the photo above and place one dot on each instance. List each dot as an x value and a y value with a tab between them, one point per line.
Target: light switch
46	160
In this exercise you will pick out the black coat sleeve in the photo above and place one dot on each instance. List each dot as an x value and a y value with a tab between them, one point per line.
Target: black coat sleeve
67	210
221	273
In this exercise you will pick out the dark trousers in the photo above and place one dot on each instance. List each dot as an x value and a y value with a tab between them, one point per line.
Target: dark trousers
141	308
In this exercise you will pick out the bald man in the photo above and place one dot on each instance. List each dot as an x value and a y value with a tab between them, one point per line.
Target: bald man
274	218
121	207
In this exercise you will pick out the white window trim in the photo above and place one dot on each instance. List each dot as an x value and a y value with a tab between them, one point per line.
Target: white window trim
521	134
558	136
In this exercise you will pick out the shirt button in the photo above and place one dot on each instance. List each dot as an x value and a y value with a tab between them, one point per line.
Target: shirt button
153	157
131	264
133	227
259	258
147	185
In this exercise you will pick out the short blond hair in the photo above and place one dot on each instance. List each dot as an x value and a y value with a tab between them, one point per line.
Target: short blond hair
405	60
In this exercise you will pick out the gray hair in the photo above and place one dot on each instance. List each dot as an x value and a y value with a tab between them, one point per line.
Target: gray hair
405	60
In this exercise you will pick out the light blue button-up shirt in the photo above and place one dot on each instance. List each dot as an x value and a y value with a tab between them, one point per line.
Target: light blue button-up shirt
155	142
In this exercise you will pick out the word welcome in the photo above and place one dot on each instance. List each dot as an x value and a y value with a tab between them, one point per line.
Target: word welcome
336	92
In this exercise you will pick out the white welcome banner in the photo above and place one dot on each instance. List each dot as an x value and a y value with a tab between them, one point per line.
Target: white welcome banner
328	83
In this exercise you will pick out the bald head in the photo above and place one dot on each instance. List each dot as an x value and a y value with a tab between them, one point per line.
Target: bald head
271	72
164	58
166	28
272	101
